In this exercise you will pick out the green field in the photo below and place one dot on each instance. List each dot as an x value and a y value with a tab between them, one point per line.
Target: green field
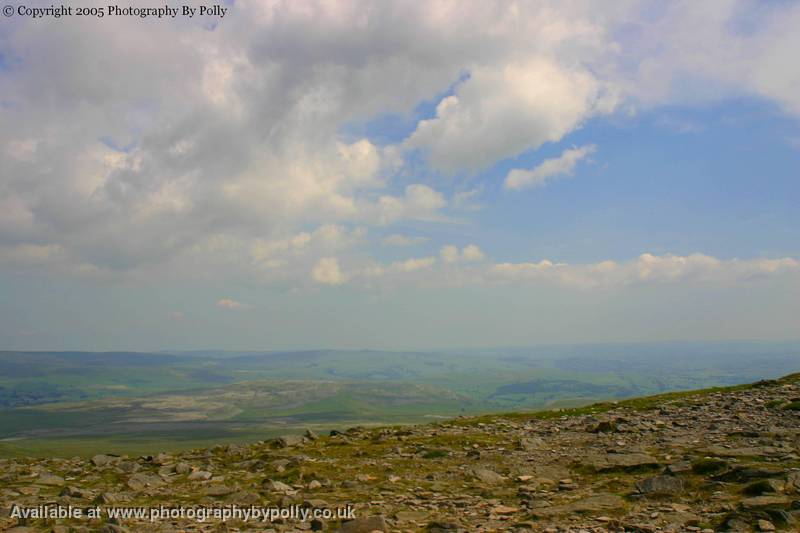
78	403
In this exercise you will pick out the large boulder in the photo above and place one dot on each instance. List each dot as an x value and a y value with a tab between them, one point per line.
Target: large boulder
490	477
660	485
288	441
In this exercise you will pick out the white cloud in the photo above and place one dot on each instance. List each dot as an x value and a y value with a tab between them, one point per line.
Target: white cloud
549	169
451	254
471	252
396	239
411	265
500	112
190	138
646	269
328	272
467	200
467	268
419	202
324	239
228	303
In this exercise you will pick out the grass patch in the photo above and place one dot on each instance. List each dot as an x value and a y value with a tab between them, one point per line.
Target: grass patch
709	465
645	403
435	454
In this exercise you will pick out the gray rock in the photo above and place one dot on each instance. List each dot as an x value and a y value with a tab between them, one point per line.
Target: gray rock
793	483
755	451
220	490
603	426
140	481
199	475
278	486
288	441
621	461
765	525
46	478
490	477
680	467
77	492
660	485
102	459
757	502
364	525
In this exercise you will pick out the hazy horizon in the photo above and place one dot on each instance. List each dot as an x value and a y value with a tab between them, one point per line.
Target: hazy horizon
475	350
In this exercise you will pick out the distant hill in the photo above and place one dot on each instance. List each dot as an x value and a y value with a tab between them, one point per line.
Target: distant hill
68	400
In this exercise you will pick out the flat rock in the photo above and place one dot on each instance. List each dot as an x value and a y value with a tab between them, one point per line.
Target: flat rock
765	501
592	504
288	441
102	459
553	472
411	516
200	475
364	525
140	481
793	482
755	451
620	461
46	478
220	490
278	486
490	477
658	485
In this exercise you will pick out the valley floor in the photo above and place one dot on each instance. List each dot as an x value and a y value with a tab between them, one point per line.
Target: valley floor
716	460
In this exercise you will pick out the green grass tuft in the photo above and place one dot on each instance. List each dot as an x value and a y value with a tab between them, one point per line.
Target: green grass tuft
709	465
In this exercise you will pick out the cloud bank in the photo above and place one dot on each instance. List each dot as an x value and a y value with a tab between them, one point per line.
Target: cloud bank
184	147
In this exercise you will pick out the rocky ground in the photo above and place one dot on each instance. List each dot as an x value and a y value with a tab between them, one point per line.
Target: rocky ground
725	460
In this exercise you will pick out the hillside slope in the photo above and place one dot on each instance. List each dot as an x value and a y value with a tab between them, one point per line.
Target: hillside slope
714	460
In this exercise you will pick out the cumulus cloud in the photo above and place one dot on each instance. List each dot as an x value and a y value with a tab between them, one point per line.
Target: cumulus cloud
328	272
451	254
549	169
646	269
192	142
411	265
471	252
228	303
419	202
324	239
500	112
466	267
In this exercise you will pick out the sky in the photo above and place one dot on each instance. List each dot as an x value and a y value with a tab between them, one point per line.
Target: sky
401	175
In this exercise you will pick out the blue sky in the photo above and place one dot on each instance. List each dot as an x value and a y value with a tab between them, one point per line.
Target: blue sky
357	174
